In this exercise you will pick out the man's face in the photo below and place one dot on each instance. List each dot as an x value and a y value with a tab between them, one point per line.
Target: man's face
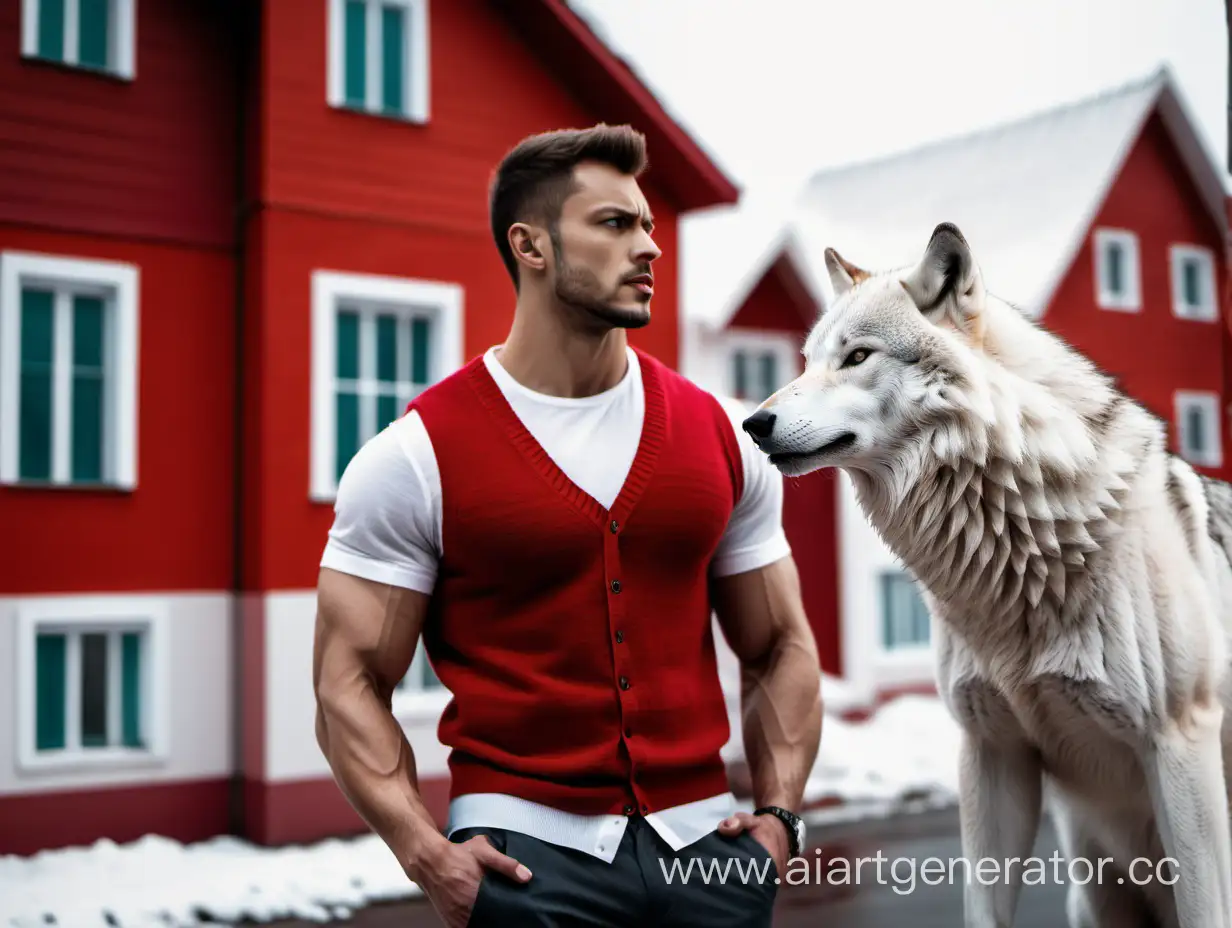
603	249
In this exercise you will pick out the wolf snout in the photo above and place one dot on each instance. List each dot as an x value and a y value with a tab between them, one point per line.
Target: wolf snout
760	424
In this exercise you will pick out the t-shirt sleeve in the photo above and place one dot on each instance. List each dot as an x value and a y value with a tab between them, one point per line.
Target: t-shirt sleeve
386	512
754	535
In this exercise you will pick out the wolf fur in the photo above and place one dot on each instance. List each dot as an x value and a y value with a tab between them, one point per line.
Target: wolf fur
1078	575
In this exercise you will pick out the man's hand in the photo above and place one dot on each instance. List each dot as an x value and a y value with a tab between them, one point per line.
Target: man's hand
767	830
450	876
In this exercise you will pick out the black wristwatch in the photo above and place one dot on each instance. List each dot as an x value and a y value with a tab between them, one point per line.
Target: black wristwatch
795	826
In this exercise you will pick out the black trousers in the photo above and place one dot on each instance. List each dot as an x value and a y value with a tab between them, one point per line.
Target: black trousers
716	882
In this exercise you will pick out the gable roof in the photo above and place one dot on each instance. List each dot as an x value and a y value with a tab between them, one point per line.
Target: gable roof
606	84
1024	193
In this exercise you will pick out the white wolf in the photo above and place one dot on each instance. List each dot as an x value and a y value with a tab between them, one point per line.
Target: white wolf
1077	572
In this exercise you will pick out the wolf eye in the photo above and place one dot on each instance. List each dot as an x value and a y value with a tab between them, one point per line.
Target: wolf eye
859	356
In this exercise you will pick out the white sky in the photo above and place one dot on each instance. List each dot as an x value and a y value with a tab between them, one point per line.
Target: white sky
775	89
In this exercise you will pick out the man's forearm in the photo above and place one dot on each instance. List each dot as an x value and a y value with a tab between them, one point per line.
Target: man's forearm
374	767
782	714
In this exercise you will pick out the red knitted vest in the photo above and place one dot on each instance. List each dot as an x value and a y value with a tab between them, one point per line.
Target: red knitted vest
576	641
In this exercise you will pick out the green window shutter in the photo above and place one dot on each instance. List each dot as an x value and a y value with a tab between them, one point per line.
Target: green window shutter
346	413
387	349
130	689
386	410
348	346
421	346
740	375
88	388
769	375
50	691
94	690
355	51
393	61
36	404
51	29
92	26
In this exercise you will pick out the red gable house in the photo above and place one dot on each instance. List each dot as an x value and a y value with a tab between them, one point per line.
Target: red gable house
1106	220
235	239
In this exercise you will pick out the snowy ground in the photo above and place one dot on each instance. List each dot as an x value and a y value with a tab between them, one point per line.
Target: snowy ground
905	755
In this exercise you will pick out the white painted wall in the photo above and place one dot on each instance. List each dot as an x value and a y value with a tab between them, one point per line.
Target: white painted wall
197	707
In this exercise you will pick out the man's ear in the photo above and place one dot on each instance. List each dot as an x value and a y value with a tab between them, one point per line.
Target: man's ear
843	274
524	242
947	284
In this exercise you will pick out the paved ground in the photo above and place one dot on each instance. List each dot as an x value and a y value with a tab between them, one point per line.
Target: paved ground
889	904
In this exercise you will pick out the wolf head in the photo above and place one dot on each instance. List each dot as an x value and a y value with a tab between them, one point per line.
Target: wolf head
894	358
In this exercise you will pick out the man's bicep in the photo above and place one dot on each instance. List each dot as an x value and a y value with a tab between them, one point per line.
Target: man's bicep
364	628
757	608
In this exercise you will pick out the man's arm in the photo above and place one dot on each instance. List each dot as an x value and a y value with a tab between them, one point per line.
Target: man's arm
762	616
366	634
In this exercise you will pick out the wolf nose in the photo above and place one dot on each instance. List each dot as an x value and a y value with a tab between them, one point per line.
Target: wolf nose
760	424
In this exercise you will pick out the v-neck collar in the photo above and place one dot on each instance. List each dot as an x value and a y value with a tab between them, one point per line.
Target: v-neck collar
644	461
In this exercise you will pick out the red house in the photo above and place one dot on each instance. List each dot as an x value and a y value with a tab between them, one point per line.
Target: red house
235	239
1106	220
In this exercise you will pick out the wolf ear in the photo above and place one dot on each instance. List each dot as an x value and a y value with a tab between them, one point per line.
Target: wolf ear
843	274
947	281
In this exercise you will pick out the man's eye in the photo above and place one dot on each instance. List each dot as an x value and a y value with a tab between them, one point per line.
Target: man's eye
859	356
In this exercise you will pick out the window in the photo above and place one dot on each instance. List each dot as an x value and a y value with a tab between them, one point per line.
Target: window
1116	270
377	342
378	57
754	374
1197	427
904	614
91	682
93	34
68	371
1193	283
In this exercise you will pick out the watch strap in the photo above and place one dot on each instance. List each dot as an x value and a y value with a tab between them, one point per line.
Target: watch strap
791	820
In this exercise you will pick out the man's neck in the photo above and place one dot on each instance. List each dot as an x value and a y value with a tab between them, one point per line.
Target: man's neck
549	358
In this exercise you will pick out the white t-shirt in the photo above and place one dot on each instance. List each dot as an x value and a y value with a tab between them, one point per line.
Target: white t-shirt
387	513
387	528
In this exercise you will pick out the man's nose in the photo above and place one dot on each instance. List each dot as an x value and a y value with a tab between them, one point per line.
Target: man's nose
760	424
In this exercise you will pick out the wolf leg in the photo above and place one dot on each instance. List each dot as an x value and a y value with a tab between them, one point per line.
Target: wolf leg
1000	797
1184	770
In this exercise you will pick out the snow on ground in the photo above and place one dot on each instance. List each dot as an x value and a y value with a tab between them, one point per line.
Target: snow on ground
907	752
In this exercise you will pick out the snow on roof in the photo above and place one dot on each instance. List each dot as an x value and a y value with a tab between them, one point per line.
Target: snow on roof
1024	193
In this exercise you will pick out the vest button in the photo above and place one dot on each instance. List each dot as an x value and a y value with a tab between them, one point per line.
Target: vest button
615	526
645	808
628	810
620	636
624	683
615	586
628	732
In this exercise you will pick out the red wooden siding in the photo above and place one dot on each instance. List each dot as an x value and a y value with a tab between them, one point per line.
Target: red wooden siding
174	531
1152	351
151	158
284	530
810	520
779	302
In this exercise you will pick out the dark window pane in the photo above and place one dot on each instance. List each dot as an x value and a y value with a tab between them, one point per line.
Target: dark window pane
94	690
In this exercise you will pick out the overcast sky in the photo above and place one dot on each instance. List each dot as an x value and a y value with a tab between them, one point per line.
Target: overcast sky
775	89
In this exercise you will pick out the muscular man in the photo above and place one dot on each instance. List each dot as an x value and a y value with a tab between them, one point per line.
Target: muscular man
558	519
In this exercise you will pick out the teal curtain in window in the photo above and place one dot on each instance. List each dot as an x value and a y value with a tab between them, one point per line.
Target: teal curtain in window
35	404
51	29
50	691
93	21
130	690
393	42
355	50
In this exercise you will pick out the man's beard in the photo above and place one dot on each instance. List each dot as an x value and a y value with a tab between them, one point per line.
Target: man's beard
581	289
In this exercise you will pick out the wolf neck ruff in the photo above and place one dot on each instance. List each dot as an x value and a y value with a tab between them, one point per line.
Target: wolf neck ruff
576	640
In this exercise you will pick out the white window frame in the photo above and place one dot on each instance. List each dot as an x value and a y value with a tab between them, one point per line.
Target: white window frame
441	302
118	284
412	702
93	614
415	80
1208	311
1208	403
123	36
1131	300
784	346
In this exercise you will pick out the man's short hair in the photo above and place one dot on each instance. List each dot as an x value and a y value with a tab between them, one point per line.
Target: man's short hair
535	177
